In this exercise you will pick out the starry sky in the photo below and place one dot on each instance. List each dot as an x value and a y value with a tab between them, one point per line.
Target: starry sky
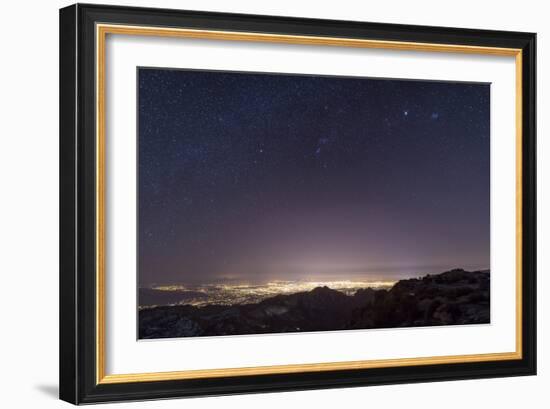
251	177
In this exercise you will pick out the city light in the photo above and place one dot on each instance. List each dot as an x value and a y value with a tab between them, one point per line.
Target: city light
243	293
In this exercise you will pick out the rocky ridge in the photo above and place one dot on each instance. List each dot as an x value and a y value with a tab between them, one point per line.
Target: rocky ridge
455	297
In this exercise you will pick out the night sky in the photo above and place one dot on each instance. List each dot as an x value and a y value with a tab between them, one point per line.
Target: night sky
256	177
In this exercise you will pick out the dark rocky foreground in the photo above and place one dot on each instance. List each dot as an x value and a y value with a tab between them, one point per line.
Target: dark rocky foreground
451	298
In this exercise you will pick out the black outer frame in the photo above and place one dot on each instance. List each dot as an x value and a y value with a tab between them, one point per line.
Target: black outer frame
77	204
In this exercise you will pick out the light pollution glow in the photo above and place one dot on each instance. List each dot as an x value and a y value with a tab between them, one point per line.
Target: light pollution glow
229	294
270	177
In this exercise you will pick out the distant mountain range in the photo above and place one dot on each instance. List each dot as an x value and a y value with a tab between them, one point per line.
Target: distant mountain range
454	297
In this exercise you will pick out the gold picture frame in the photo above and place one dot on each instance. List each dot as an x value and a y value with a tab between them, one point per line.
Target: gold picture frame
105	22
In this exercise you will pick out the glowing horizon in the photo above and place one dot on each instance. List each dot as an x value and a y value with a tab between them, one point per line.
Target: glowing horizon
251	177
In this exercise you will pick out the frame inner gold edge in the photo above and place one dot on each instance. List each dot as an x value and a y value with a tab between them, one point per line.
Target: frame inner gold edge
103	29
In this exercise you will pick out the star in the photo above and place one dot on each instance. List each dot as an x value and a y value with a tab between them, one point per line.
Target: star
255	166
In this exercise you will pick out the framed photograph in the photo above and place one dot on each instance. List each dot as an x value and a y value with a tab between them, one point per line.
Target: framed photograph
257	203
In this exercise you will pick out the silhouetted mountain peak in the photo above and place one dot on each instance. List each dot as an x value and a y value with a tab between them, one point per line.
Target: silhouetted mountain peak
322	290
450	298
